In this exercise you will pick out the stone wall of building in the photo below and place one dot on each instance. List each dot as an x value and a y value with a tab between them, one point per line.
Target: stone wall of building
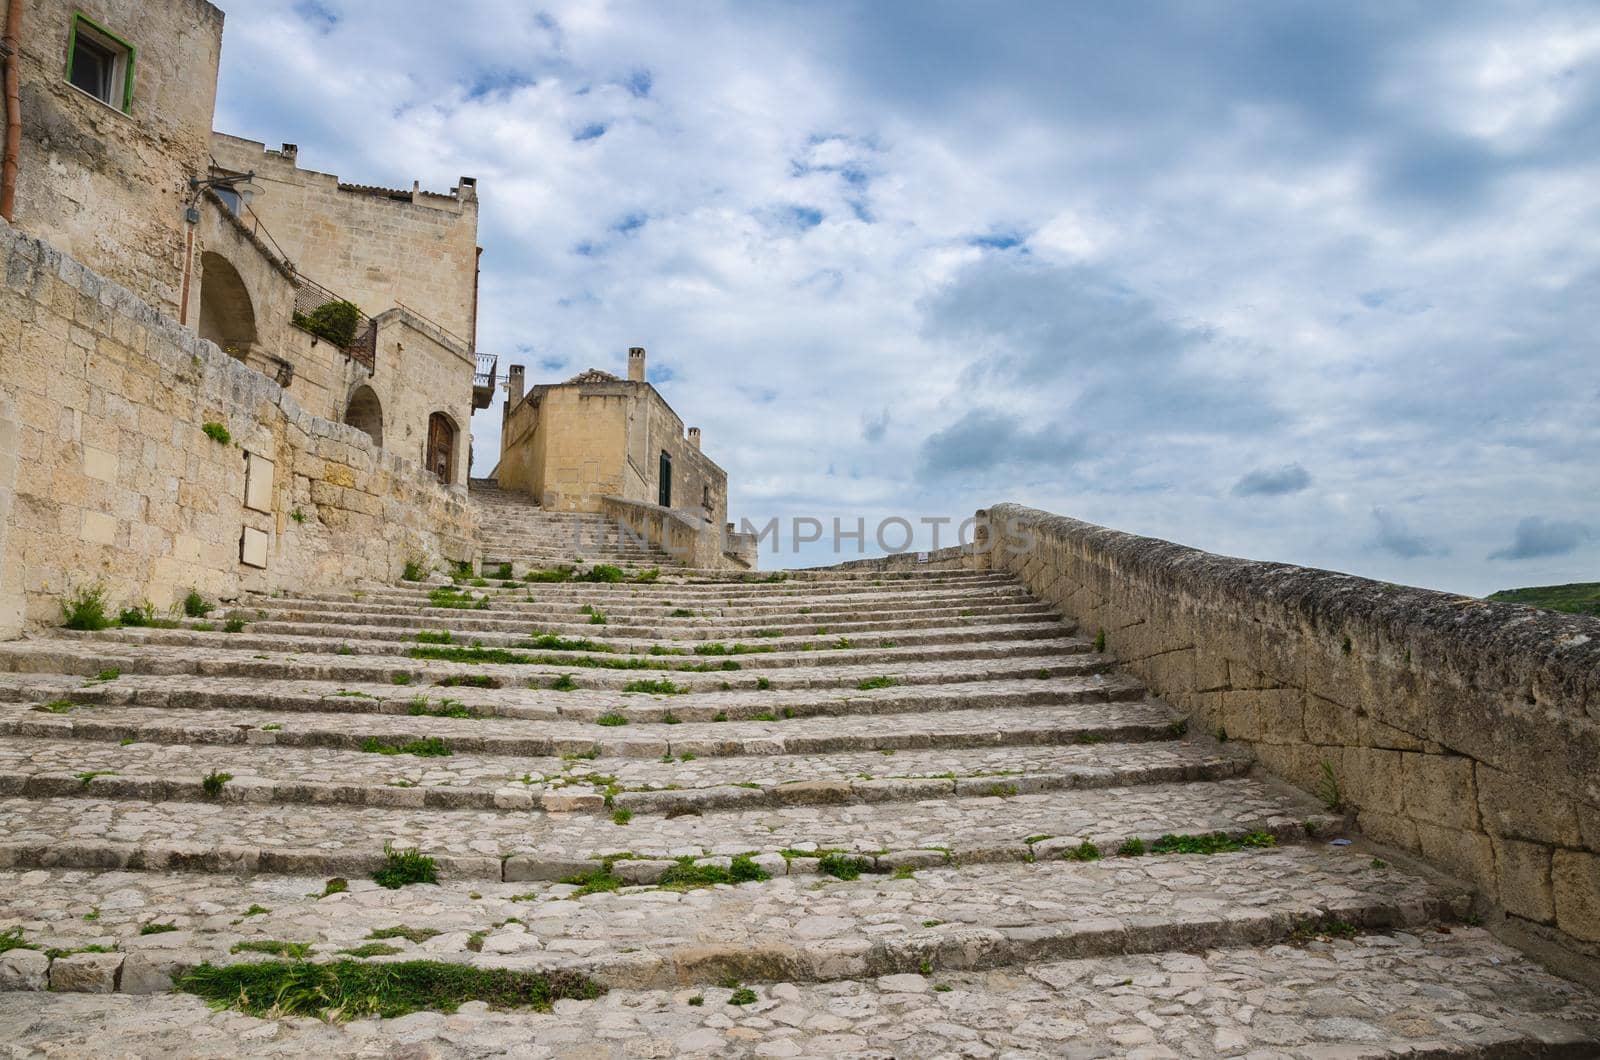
571	445
107	184
419	371
1463	730
108	475
380	248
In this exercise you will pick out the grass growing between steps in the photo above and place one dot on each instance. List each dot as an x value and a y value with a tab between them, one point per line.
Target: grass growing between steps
501	655
345	990
432	747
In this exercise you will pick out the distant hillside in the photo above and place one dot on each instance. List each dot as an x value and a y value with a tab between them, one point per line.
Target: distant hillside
1579	598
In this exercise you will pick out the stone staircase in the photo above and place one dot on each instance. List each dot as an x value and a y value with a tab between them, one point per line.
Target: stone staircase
514	530
820	813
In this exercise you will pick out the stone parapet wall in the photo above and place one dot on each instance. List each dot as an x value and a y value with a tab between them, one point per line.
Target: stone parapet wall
108	476
952	557
1462	730
694	542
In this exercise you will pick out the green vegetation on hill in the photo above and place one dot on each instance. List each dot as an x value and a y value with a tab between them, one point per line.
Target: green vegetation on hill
1578	598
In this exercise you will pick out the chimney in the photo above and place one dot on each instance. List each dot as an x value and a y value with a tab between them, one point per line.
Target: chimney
694	437
514	386
635	364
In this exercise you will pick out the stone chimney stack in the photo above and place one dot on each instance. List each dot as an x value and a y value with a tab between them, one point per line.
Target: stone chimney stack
694	437
635	364
514	385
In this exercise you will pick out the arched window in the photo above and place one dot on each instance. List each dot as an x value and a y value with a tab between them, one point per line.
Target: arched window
364	413
441	452
227	316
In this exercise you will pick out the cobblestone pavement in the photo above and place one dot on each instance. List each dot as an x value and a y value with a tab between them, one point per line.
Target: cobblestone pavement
1423	995
911	814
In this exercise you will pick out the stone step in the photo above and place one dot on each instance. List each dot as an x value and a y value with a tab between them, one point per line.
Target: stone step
93	654
42	767
586	702
1418	993
627	638
788	928
262	721
227	836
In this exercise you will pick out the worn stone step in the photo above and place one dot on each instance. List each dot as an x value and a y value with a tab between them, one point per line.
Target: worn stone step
227	836
41	767
90	655
1071	723
785	928
585	702
621	637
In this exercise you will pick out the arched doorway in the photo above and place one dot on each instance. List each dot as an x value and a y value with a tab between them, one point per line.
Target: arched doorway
227	316
441	451
364	413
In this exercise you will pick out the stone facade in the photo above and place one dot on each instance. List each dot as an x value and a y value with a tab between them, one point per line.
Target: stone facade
1463	730
378	247
408	259
106	474
570	445
108	183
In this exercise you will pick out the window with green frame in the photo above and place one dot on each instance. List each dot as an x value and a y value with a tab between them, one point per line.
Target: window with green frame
100	63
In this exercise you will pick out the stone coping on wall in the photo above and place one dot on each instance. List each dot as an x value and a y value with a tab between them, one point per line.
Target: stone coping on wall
1462	729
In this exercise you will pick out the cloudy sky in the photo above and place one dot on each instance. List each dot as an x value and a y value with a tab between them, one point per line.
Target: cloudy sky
1300	281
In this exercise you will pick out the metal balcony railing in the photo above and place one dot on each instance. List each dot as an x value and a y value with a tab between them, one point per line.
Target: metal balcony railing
311	296
488	364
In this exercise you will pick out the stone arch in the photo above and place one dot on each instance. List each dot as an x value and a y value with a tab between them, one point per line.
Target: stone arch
365	413
227	315
439	451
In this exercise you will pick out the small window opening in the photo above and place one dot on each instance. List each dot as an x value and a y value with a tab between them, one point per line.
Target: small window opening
101	64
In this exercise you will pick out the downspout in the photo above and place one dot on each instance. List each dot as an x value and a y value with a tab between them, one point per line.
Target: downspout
11	46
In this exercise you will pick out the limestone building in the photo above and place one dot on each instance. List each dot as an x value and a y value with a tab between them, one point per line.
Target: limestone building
360	301
600	443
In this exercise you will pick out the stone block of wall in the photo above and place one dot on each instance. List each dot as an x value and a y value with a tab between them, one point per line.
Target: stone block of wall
117	482
1466	731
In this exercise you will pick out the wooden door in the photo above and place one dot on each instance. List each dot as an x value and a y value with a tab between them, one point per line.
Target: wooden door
441	447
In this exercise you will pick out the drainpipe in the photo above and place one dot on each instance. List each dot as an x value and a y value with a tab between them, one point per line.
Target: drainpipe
11	47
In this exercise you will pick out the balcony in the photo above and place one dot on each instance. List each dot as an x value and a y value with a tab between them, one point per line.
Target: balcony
336	320
483	380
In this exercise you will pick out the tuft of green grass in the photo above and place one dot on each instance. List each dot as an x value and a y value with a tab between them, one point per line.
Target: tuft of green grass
56	706
843	866
276	947
11	939
401	931
415	570
255	910
564	683
602	572
445	708
372	949
1210	843
235	624
430	747
401	678
1100	640
876	682
1132	847
662	687
680	612
216	432
621	815
456	600
443	636
85	608
353	989
405	867
596	882
213	782
742	996
686	874
195	605
86	777
552	574
1328	788
503	572
153	928
1084	851
611	719
336	885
